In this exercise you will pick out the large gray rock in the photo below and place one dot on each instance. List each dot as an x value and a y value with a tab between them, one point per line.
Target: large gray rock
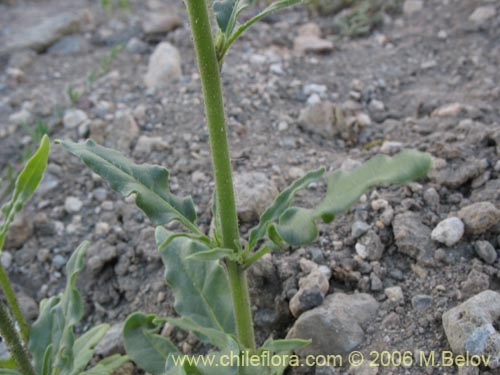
164	66
254	193
469	327
41	35
337	325
412	237
479	217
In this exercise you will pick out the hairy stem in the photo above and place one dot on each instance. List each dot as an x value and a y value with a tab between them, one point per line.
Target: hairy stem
14	343
214	109
13	304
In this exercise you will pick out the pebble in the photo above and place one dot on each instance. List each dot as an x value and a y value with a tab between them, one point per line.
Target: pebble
311	293
112	342
50	29
145	145
412	237
449	231
73	118
254	193
137	46
164	66
394	294
359	228
479	217
372	244
421	301
412	6
70	45
19	232
336	325
6	259
73	204
376	106
58	262
391	147
483	14
309	40
486	251
448	110
23	117
160	23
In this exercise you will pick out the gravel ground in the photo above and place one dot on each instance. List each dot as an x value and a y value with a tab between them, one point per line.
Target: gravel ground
298	95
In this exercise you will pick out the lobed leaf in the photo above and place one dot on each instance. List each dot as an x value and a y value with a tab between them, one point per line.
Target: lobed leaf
201	289
84	346
148	182
144	345
297	226
280	204
26	184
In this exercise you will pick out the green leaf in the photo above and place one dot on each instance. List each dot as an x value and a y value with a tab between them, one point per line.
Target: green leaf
144	345
280	4
25	186
213	254
148	182
201	289
280	204
7	363
226	13
283	345
107	365
7	371
220	339
58	315
297	226
83	348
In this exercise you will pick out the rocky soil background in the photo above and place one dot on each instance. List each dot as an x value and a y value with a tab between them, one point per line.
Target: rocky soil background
412	268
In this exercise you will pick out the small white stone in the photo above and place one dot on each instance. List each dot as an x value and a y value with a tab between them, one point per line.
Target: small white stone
102	228
6	259
448	231
164	66
391	147
376	106
379	204
21	117
72	204
394	293
282	126
412	6
73	118
361	250
483	14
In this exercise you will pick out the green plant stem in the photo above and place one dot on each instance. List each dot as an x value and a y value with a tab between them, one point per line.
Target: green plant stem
14	305
214	109
256	256
14	344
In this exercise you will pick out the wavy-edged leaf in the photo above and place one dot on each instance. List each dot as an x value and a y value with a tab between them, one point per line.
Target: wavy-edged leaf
26	183
58	315
148	182
201	289
144	345
107	365
280	204
83	348
217	253
297	226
